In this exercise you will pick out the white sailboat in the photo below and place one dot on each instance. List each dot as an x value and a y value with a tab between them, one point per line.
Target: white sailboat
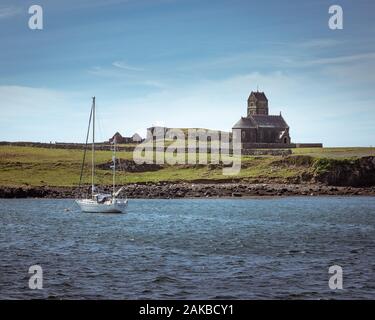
101	202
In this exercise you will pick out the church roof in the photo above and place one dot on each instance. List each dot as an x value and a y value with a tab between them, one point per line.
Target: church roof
244	123
269	121
264	121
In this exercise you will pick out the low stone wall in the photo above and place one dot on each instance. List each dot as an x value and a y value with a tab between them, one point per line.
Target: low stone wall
272	152
247	148
268	145
309	145
63	145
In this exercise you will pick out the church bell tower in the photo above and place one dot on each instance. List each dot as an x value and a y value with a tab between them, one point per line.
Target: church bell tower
257	104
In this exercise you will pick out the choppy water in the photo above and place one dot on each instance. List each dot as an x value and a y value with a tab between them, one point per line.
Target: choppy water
197	249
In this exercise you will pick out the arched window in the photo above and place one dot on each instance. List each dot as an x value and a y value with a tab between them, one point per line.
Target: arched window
285	140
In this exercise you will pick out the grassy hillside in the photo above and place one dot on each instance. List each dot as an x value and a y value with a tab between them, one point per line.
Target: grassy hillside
21	166
338	153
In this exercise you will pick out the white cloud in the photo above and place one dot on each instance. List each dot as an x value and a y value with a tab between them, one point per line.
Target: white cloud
343	59
128	78
211	104
9	11
40	114
123	65
19	100
319	43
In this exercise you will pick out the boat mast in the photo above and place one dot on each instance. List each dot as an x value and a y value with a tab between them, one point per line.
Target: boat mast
114	167
93	148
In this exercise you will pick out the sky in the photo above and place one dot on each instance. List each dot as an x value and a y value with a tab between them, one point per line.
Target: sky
186	63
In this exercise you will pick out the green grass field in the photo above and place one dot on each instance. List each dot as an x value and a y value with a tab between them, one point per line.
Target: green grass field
337	153
22	166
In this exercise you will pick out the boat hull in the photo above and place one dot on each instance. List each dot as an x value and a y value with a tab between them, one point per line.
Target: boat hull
116	206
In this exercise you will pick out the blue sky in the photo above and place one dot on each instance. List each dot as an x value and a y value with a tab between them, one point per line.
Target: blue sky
186	63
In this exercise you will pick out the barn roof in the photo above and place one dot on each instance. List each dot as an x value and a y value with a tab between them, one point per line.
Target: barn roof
117	135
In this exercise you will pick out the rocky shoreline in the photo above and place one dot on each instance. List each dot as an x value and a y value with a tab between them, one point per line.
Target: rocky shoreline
166	190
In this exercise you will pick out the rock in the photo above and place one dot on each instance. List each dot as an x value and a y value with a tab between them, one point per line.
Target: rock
236	194
181	190
356	173
130	166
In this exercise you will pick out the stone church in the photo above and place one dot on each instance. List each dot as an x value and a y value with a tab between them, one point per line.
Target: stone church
261	130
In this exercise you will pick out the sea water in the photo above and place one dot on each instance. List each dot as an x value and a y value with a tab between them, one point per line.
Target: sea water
276	248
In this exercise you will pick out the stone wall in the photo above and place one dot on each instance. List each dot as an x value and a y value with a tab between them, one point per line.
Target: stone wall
272	152
63	145
268	145
309	145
